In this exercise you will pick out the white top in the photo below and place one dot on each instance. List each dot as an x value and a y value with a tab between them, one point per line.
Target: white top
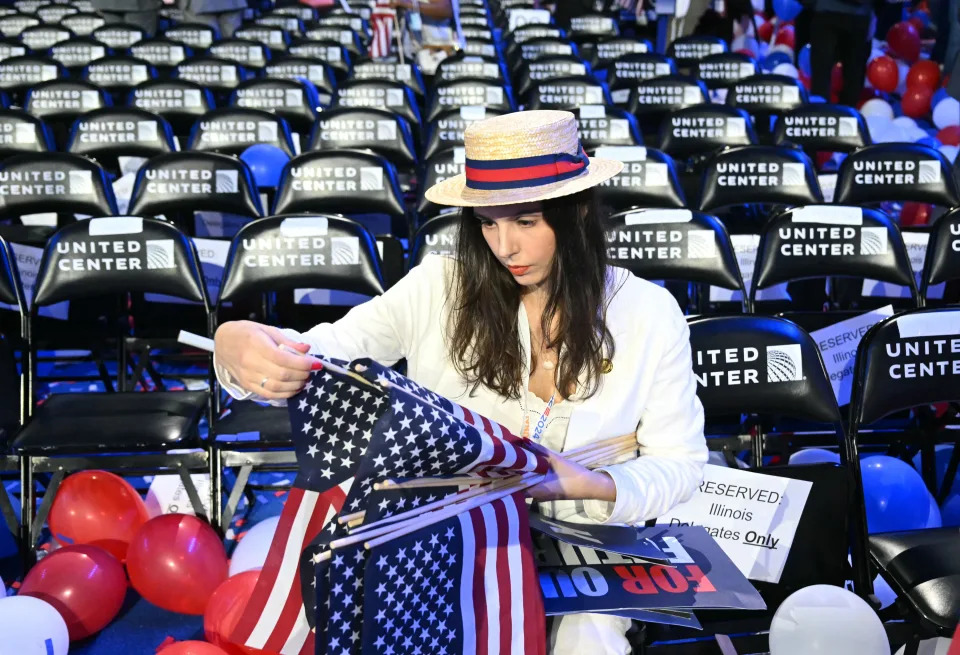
650	389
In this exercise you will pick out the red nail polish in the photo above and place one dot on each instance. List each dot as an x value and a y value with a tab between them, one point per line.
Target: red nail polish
316	366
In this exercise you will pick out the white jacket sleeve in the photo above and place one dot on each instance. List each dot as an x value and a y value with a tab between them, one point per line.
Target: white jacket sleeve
673	450
383	328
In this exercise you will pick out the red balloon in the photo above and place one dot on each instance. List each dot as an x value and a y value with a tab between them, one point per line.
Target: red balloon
191	648
883	74
176	561
949	136
224	609
924	73
785	36
836	78
916	102
85	584
904	41
97	508
915	213
765	31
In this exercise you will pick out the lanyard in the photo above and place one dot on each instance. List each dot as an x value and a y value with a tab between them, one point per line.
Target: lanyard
541	422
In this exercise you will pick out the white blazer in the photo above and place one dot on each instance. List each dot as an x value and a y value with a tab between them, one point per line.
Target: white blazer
651	388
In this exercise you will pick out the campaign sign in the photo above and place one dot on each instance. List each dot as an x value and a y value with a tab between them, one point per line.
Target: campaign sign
753	517
615	538
699	575
838	345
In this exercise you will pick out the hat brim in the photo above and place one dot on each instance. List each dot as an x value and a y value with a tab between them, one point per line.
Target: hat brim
454	191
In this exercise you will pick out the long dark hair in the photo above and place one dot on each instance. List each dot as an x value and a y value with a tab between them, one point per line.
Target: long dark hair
484	340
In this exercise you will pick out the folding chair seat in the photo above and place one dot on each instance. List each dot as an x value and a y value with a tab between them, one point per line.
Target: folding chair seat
354	183
688	50
675	245
83	23
345	37
77	52
77	431
274	38
53	14
446	130
118	74
468	92
119	36
627	70
722	70
765	97
648	179
437	235
220	76
896	171
567	92
41	38
395	97
178	184
179	102
23	133
546	68
20	74
654	99
250	54
50	182
231	130
904	362
13	25
278	255
942	260
314	70
600	125
381	132
408	72
295	101
197	36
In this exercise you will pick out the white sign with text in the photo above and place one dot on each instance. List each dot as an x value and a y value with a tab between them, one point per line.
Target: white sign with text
753	517
838	346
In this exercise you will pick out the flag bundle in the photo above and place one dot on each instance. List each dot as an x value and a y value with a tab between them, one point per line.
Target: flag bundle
382	19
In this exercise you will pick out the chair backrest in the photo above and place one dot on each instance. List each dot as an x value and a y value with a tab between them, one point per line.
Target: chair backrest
759	174
246	52
310	68
26	72
821	127
673	244
179	101
662	95
119	36
602	55
290	24
434	169
120	131
468	92
896	171
12	25
54	182
458	67
689	50
818	241
760	365
273	37
289	252
436	236
392	96
593	27
64	99
550	67
942	261
351	21
232	130
648	179
53	14
702	129
446	130
83	23
11	290
43	37
21	132
345	37
10	48
905	361
119	72
627	70
408	73
118	254
161	52
340	181
767	94
293	100
377	130
479	48
599	125
724	69
194	181
567	92
331	54
77	53
533	49
198	36
212	72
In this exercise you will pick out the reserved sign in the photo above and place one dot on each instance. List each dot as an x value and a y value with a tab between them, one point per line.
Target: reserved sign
753	517
838	346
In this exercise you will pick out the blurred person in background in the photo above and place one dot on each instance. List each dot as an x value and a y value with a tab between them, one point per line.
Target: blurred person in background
142	13
840	32
225	16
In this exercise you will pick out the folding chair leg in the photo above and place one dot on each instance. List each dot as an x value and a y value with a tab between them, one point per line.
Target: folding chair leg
234	500
6	509
912	647
216	488
48	495
26	544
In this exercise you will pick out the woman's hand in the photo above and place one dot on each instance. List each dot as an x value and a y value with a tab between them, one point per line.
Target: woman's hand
251	353
567	480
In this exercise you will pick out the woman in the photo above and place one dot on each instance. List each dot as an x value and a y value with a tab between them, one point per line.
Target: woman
527	322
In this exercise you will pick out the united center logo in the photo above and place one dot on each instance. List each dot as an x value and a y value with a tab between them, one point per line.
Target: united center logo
873	241
81	182
345	251
371	178
785	363
701	244
929	172
160	254
794	174
226	181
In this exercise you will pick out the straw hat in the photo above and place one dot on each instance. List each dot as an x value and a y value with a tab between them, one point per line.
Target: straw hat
522	157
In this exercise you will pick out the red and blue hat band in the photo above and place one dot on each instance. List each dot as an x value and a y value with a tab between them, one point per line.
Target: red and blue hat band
524	172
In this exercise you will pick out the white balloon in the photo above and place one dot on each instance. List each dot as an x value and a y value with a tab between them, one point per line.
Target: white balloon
251	552
814	456
950	152
167	495
905	122
946	113
879	126
784	48
826	620
884	592
3	590
30	626
877	107
938	646
903	69
786	69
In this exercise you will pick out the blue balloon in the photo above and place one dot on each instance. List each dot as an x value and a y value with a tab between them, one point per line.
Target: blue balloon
787	9
266	162
774	59
930	141
803	59
938	95
814	100
894	494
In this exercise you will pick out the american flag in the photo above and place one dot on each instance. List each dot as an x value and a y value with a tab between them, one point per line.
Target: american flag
348	434
465	585
381	25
